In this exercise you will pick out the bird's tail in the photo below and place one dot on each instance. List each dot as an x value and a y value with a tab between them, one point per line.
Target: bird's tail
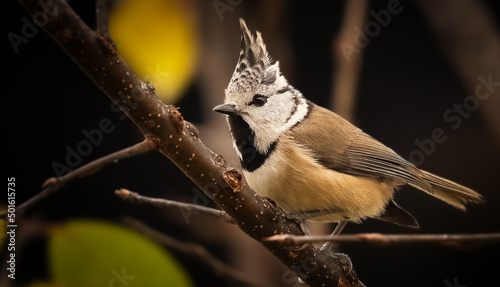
450	192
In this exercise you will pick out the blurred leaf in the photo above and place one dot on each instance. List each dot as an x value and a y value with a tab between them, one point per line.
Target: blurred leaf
160	40
46	284
91	253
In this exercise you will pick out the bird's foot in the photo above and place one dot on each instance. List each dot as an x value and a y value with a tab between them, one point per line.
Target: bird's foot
343	260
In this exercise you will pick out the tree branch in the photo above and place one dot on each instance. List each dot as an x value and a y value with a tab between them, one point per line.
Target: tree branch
178	140
469	37
456	240
101	12
54	184
348	57
136	198
197	251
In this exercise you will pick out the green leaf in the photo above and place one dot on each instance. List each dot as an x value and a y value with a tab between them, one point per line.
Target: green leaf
92	253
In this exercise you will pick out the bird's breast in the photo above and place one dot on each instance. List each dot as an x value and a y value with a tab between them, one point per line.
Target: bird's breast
291	177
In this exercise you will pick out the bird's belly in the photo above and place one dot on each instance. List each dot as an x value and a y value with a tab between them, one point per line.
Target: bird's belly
301	186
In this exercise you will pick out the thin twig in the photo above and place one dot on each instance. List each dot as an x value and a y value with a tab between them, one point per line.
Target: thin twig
457	240
348	56
102	17
468	35
54	184
134	197
197	251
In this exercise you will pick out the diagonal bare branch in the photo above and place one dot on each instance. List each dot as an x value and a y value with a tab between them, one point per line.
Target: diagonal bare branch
468	35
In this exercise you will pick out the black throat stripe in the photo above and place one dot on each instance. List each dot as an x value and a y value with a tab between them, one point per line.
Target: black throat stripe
244	138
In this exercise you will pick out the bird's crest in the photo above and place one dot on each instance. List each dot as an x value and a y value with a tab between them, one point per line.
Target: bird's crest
254	65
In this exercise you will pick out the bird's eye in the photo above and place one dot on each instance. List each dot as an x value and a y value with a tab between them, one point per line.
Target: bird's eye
259	100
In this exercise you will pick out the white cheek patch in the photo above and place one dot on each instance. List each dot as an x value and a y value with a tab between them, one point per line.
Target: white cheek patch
264	135
271	125
300	113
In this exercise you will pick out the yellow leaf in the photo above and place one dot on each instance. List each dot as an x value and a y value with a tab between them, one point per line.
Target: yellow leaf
160	41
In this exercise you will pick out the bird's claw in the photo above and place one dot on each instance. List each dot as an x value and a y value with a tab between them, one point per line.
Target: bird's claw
341	258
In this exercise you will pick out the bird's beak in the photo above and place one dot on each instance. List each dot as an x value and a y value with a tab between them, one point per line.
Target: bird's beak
227	109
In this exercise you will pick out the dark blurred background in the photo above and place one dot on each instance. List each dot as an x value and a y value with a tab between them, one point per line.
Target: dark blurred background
405	78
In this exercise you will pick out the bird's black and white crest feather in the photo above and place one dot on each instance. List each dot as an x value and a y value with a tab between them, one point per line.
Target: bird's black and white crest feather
254	65
256	75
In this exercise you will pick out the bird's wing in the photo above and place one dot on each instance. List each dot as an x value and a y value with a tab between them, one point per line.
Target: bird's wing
369	157
339	145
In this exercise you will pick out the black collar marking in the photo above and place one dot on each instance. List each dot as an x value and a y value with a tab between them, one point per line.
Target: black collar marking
244	139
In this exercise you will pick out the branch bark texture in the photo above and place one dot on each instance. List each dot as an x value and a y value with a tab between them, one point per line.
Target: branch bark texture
177	139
